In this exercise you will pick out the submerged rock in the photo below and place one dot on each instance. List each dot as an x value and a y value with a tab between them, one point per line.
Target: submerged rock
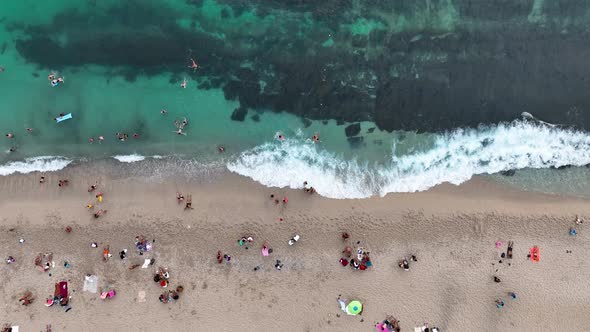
509	172
306	122
356	142
370	130
353	129
239	114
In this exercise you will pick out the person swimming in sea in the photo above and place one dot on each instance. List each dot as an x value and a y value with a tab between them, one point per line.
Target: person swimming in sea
194	66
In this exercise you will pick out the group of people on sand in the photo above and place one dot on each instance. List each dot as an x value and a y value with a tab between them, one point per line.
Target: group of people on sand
188	201
99	198
360	261
404	263
161	277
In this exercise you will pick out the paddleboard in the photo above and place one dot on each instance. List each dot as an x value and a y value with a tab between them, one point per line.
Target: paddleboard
63	118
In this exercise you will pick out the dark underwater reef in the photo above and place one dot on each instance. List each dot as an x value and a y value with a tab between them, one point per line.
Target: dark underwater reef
426	66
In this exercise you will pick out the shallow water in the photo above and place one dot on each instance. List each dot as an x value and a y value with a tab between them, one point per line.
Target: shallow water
400	71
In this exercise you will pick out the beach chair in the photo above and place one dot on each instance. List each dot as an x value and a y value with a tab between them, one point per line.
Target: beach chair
509	250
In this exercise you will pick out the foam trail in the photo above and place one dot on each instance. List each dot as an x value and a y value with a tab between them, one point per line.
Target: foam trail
37	164
454	157
131	158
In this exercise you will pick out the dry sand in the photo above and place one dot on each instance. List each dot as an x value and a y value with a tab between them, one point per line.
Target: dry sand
452	230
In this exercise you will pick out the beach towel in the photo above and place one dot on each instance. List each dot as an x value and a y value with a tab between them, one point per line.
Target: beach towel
63	289
141	296
265	251
146	263
382	327
535	254
90	284
14	328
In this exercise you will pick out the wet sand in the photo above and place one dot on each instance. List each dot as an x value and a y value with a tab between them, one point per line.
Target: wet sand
452	231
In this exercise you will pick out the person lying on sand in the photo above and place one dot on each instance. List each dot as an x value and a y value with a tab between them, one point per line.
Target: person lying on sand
99	213
26	299
106	253
93	187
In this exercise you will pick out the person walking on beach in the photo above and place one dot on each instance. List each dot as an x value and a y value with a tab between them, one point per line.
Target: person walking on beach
189	202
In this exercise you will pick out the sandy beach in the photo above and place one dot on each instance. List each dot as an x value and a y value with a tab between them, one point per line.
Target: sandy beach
452	230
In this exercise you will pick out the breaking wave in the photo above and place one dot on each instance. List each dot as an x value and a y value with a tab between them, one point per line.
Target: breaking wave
36	164
453	157
130	158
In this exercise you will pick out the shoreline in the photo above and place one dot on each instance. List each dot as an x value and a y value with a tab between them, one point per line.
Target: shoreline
451	229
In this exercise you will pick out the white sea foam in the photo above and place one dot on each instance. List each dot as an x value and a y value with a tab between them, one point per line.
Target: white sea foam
36	164
454	157
131	158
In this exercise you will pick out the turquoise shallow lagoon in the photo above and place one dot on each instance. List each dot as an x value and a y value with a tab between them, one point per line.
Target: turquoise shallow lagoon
122	64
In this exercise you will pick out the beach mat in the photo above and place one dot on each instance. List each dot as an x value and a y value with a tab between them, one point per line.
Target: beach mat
90	284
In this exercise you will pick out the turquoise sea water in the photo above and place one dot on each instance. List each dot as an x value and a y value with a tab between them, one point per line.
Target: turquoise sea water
127	96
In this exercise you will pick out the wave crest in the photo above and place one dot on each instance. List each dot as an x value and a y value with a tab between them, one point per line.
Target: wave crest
36	164
454	157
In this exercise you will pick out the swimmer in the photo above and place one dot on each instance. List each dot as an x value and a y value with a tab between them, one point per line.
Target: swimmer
100	139
281	137
29	130
180	132
10	135
54	83
135	135
91	140
12	149
60	79
221	149
42	179
183	84
316	137
51	76
163	111
184	122
194	66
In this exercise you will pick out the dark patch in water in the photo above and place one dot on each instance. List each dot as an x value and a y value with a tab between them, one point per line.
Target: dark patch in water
352	130
255	118
370	130
356	142
486	70
306	122
239	114
509	172
35	74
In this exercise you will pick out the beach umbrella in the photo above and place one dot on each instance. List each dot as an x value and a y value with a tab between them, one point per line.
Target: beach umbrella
354	308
